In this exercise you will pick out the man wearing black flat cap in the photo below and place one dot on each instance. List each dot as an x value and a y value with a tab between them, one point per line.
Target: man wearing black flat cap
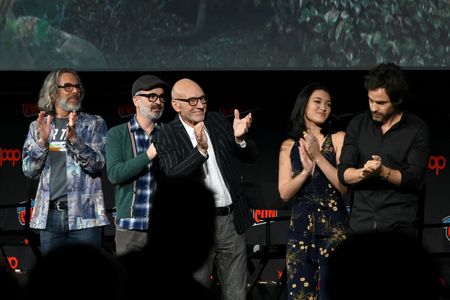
131	163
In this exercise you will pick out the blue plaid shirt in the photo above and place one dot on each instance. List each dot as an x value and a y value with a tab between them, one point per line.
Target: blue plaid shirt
145	185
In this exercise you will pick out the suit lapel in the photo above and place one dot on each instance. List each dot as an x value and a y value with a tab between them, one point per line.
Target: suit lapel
180	132
211	131
210	126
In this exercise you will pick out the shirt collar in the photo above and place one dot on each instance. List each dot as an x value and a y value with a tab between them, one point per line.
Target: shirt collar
134	125
189	129
402	122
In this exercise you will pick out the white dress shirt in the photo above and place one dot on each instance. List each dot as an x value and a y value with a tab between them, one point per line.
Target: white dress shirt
213	177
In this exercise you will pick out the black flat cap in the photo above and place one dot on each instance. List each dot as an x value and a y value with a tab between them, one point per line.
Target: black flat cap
148	82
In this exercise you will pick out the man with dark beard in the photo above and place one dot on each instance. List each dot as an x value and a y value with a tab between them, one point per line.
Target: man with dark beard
384	157
131	163
65	149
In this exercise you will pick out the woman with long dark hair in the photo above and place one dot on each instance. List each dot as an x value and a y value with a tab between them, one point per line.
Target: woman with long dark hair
308	175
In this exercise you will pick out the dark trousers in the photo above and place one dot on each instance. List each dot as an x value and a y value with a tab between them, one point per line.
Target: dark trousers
229	254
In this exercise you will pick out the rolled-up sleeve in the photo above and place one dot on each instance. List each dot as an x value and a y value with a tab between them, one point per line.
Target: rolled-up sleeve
349	153
413	173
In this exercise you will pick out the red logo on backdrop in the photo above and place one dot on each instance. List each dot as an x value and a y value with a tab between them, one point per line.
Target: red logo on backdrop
13	262
259	214
446	220
30	109
437	163
21	212
126	110
279	274
11	155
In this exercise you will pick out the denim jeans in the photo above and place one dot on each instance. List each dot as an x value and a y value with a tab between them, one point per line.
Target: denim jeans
57	233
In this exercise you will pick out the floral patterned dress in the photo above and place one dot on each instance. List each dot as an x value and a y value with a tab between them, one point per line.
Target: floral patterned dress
319	222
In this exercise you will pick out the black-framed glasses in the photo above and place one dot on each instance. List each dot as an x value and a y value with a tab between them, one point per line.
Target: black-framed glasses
152	97
68	87
194	100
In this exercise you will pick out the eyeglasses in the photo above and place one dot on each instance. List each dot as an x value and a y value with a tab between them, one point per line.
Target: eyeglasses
68	87
194	100
152	97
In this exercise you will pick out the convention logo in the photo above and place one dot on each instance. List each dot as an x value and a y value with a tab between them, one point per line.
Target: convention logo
446	220
260	214
30	109
437	163
126	110
13	262
279	274
22	212
11	155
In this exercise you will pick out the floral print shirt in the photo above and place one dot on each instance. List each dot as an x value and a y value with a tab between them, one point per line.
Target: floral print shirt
84	163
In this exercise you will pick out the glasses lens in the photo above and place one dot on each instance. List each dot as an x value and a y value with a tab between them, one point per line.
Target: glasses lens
153	97
162	98
68	87
194	100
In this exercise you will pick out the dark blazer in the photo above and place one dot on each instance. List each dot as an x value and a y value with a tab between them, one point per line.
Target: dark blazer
179	158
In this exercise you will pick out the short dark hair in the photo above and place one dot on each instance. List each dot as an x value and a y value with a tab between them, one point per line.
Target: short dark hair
390	77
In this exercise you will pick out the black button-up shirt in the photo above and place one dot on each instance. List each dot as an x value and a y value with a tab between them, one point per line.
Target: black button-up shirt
378	204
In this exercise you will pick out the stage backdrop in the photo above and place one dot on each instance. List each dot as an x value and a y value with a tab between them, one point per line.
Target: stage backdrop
269	95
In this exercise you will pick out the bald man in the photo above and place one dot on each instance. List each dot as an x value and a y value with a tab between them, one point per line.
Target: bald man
199	144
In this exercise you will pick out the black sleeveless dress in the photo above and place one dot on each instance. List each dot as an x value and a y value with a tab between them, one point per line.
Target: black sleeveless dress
319	222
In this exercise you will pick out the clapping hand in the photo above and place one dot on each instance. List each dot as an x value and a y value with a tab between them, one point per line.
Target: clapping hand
372	167
307	163
311	145
200	136
71	133
241	126
44	127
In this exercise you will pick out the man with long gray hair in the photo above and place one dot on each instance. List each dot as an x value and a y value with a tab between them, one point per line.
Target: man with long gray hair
65	150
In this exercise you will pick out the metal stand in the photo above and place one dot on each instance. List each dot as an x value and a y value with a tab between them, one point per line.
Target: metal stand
25	237
264	253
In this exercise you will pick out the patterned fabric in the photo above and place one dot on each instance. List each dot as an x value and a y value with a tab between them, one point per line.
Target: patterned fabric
319	222
84	162
179	158
145	185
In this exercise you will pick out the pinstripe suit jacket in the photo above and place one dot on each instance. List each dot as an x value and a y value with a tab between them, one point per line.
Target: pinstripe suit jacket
179	158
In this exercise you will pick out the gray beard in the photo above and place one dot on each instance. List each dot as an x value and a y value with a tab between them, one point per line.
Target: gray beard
146	113
67	106
156	117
